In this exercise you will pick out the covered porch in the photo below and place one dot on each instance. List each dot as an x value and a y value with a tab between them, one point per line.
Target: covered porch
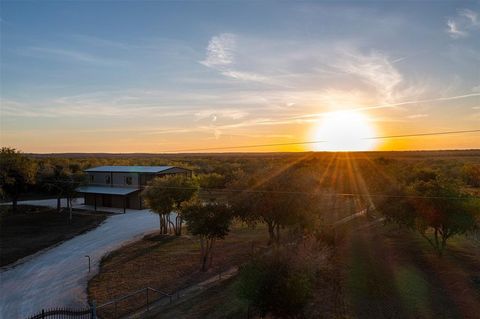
116	197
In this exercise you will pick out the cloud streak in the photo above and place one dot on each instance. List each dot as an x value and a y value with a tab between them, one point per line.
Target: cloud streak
73	55
392	105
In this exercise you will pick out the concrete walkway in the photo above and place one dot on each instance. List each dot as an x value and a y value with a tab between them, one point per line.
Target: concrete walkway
58	276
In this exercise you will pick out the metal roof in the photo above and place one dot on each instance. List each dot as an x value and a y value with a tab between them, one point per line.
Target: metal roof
106	190
129	169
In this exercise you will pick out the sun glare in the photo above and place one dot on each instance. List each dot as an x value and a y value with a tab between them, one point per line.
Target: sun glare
344	131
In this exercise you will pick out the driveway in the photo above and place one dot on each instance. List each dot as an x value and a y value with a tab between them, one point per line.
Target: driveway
58	276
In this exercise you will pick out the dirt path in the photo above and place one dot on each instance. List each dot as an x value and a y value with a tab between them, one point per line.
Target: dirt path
392	273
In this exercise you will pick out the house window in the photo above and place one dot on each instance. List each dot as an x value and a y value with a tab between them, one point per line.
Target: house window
92	178
107	179
128	180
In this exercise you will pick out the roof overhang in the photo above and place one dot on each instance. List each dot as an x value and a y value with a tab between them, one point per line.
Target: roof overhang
106	190
132	169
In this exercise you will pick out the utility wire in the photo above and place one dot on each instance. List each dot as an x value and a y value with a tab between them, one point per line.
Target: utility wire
315	142
316	193
266	191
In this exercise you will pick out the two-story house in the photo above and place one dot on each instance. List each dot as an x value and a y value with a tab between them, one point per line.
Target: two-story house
120	186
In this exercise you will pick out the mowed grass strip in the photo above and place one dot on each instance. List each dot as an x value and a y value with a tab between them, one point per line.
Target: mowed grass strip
166	263
33	228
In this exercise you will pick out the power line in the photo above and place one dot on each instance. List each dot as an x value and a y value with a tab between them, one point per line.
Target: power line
315	142
421	134
280	192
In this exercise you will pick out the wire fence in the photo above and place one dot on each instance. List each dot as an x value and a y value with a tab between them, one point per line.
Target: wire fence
132	302
65	313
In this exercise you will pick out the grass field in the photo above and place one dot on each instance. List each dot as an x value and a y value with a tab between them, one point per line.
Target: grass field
393	273
383	272
34	228
167	263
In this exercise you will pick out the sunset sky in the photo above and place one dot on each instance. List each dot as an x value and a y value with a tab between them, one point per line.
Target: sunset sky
165	76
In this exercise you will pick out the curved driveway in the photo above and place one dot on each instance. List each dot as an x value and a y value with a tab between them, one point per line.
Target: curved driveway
58	276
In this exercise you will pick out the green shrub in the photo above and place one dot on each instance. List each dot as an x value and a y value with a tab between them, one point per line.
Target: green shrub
276	285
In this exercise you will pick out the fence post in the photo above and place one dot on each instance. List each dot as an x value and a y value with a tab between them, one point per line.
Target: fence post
94	309
115	307
148	307
43	313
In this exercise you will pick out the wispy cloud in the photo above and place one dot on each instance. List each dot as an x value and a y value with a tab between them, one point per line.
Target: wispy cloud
101	42
463	23
68	54
472	16
214	115
136	103
220	50
221	56
454	30
245	76
392	105
374	69
417	116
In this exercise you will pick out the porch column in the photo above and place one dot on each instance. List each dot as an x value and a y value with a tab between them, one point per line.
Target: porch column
95	201
124	204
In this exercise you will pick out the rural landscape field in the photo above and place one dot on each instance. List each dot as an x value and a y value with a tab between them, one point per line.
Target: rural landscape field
239	159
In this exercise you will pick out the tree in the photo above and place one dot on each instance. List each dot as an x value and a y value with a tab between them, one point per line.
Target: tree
211	182
471	174
433	206
275	285
54	179
165	195
209	221
442	211
17	172
283	200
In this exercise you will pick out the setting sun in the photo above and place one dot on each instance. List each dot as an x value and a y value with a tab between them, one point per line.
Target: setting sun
344	131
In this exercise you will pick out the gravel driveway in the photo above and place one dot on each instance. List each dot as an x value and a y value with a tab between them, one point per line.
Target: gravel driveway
58	276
